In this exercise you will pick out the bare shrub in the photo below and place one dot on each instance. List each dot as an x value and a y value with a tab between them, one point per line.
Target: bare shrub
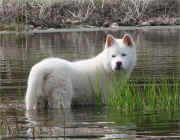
134	9
83	10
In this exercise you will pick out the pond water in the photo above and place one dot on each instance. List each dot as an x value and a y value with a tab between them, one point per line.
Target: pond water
158	54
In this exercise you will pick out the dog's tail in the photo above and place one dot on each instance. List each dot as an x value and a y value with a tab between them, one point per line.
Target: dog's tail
36	84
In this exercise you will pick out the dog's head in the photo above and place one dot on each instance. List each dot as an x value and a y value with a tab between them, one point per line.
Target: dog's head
121	53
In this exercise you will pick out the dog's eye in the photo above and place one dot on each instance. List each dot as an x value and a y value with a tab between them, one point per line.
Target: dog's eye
113	55
123	54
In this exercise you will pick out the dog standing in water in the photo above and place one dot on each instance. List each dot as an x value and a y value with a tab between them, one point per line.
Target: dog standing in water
56	82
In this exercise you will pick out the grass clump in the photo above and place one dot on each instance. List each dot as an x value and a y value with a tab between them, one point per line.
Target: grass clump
152	95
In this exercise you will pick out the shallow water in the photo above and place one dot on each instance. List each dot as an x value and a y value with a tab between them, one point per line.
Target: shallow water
158	53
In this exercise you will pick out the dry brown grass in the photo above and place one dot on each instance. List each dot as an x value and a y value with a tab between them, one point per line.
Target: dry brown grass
66	13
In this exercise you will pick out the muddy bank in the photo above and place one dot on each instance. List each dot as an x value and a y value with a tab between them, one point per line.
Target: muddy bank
15	15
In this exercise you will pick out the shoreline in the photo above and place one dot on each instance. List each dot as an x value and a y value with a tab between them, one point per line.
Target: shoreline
54	30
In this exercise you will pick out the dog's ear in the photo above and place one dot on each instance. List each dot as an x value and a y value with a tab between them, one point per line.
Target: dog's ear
127	39
109	41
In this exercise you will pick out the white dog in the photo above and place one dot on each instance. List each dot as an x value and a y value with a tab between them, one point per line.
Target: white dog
56	82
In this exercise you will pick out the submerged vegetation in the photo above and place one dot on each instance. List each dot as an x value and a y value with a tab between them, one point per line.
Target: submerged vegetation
42	14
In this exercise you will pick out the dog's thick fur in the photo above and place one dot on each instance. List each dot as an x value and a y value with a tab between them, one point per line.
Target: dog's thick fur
56	82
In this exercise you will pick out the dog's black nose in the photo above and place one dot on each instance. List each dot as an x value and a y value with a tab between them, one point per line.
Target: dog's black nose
118	65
